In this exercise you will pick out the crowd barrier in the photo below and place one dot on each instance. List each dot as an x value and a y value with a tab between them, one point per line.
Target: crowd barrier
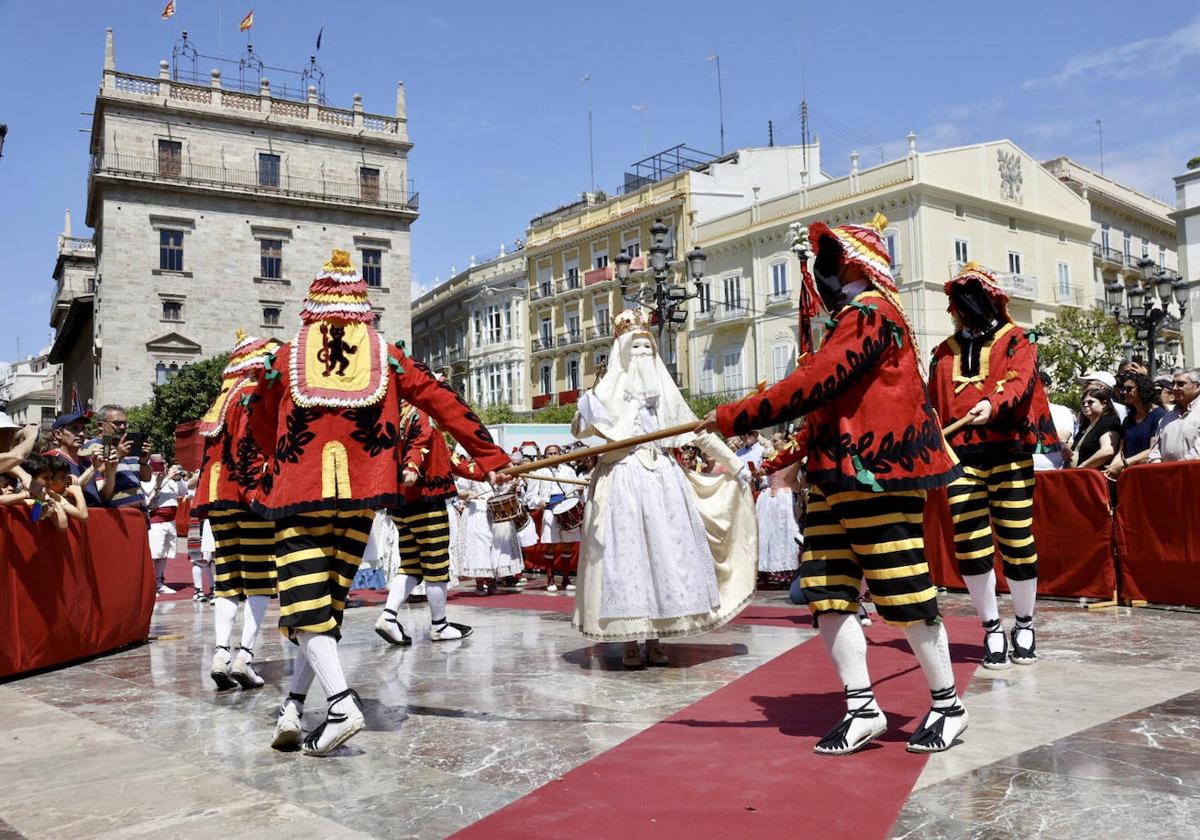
67	595
1073	528
1157	533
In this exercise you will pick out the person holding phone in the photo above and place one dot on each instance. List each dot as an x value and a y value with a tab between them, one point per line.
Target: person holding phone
127	459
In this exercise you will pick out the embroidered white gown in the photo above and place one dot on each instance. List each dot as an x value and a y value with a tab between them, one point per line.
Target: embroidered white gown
778	550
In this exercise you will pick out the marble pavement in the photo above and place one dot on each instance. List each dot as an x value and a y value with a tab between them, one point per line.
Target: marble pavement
1099	739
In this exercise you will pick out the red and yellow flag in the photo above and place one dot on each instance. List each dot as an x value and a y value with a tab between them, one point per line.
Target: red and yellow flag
247	21
168	9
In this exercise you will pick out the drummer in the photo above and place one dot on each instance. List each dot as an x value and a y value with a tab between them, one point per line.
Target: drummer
561	545
488	545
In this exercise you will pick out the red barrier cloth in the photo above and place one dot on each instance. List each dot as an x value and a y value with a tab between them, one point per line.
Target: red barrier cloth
1072	526
189	446
66	595
1158	532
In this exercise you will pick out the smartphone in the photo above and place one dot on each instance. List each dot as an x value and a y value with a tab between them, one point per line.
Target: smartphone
109	442
158	466
138	439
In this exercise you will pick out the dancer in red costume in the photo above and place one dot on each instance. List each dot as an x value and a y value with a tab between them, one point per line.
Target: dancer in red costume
327	412
987	371
875	447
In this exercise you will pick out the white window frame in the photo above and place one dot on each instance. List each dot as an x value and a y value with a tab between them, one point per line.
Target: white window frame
707	374
546	377
962	255
729	382
1015	262
631	243
573	373
599	254
786	354
1063	277
1105	236
704	289
732	280
891	241
1127	245
779	271
571	264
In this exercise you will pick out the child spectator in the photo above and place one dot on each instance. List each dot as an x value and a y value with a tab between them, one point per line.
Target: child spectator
63	491
42	507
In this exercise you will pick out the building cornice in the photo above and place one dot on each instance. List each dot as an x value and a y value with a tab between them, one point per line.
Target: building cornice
617	222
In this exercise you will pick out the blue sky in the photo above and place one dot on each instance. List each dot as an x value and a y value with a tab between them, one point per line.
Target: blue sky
498	112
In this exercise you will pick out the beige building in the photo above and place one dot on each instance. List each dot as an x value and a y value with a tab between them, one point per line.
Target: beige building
989	202
72	317
1187	216
471	328
573	293
1128	226
214	207
27	390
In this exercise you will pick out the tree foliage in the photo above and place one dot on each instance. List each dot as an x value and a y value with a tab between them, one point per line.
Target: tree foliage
184	398
495	414
555	414
1075	341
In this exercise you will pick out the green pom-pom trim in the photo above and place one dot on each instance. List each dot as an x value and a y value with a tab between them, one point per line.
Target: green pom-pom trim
897	334
863	308
399	345
830	323
395	363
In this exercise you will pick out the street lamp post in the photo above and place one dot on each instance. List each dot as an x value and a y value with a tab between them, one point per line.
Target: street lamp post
666	300
1147	308
3	134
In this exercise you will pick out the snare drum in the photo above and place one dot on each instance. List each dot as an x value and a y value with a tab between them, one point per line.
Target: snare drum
568	515
506	507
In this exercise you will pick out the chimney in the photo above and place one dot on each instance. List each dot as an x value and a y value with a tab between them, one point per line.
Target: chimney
401	106
912	143
67	223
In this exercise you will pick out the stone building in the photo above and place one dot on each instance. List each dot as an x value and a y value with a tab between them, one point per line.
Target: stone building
27	390
213	208
573	293
1127	227
1187	217
989	202
470	329
72	317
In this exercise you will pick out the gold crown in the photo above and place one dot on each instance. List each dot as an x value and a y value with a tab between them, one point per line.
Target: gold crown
339	263
631	320
879	222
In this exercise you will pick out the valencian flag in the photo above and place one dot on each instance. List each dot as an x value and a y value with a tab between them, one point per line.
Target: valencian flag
247	21
168	9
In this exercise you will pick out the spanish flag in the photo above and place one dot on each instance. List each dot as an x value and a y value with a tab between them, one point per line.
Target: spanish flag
168	9
247	21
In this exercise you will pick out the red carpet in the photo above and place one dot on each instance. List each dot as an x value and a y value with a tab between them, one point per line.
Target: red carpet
739	763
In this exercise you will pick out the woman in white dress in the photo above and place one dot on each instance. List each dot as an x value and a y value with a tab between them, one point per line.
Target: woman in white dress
665	552
487	551
778	533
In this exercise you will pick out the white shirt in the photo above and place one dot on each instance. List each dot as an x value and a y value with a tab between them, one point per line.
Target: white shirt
168	495
1065	422
543	490
1178	437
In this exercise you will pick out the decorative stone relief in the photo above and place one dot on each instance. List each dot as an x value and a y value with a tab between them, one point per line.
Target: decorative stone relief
1010	175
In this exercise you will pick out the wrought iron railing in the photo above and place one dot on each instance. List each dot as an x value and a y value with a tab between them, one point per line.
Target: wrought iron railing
249	180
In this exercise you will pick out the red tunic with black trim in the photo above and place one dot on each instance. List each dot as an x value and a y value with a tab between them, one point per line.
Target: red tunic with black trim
794	450
424	451
872	427
323	458
232	463
999	366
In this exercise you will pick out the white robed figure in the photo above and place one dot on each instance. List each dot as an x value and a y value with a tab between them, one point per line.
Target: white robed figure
778	532
485	549
665	552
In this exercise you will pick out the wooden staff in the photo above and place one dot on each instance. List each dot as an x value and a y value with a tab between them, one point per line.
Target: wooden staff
544	477
521	469
955	426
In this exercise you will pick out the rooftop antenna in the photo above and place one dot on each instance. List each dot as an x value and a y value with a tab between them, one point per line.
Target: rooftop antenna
587	80
1100	130
804	131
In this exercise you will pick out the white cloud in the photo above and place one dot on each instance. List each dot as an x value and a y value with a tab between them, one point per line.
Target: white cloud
1148	56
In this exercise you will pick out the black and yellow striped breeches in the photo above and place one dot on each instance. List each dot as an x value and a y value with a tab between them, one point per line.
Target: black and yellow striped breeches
245	554
317	555
849	535
991	506
424	540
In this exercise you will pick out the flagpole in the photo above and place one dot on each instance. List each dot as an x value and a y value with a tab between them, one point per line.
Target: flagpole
220	30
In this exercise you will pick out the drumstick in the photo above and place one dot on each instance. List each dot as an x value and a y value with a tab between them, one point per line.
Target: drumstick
544	477
956	425
673	431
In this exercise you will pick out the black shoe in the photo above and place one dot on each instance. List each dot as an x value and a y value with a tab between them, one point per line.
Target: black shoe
994	660
1024	655
940	734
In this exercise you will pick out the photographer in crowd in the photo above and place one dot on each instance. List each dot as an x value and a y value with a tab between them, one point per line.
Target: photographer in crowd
128	459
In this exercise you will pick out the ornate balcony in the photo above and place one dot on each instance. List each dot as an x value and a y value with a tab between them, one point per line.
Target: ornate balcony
542	400
541	291
602	331
731	311
568	397
598	275
778	298
570	337
542	344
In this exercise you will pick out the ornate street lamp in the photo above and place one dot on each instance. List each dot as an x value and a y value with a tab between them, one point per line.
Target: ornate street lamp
1147	308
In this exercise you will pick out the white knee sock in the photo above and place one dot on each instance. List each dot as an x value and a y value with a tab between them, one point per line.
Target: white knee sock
402	587
224	613
197	577
983	595
847	646
931	646
435	593
252	616
1024	594
302	677
322	654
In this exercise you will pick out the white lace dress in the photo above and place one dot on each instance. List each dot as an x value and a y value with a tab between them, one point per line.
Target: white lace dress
485	550
778	550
